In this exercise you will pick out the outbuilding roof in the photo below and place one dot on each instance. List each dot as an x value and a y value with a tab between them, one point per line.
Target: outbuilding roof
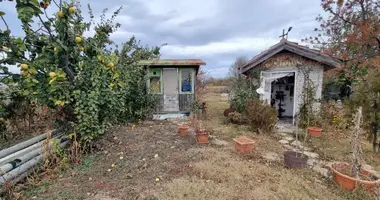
172	62
285	45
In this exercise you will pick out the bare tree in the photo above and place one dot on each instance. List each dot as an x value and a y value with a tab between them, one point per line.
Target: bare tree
234	70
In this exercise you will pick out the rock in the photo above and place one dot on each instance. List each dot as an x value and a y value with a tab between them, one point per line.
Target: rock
312	162
156	156
129	176
272	157
284	142
289	138
322	171
311	155
375	173
367	167
288	147
305	148
296	143
218	142
283	134
286	128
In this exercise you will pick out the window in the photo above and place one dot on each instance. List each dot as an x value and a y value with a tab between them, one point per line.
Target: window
155	82
187	76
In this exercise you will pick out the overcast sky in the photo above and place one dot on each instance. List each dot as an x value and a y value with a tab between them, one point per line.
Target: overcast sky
216	31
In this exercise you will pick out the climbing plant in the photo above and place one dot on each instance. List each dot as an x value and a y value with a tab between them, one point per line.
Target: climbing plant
86	77
308	111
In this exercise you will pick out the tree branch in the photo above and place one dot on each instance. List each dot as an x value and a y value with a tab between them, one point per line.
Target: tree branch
378	41
340	17
47	28
48	16
5	22
364	11
56	4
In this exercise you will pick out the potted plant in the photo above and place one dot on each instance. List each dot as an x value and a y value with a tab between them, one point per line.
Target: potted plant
200	132
244	145
183	130
350	176
296	159
314	131
307	112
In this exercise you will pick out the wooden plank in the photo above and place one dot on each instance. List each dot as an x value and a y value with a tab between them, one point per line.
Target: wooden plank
185	102
159	99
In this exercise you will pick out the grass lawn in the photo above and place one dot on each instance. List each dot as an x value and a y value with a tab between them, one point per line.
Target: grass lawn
157	163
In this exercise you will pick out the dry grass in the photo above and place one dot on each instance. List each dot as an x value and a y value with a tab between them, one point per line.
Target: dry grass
190	171
337	147
225	175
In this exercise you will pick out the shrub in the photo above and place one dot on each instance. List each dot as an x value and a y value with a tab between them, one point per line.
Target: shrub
237	118
333	116
261	116
228	111
242	91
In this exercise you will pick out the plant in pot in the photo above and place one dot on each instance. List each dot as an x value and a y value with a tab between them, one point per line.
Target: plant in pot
200	132
350	176
309	118
183	130
297	158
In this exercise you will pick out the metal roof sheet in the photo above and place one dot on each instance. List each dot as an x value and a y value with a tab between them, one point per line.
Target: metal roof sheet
172	62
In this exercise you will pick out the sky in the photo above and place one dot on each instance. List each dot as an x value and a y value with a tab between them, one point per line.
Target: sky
216	31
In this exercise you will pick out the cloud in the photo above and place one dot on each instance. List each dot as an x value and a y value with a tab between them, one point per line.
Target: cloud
216	48
217	31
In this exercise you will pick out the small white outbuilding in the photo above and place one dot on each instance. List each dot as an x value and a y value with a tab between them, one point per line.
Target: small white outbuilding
283	69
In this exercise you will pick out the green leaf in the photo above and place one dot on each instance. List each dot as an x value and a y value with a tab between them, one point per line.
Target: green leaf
2	13
25	13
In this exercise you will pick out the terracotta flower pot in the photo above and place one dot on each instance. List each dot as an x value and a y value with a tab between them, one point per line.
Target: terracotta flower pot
314	131
349	183
244	145
183	130
202	138
295	160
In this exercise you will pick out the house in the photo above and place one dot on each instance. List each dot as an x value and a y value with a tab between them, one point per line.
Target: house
173	83
283	69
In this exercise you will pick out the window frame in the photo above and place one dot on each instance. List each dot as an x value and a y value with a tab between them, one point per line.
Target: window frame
161	80
192	80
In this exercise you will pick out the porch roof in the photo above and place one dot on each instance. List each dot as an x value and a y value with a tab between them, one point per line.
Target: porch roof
173	62
285	45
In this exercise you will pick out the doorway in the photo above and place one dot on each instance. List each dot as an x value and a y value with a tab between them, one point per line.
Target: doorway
170	80
282	96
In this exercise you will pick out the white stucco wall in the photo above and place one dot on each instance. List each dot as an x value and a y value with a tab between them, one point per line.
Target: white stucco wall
316	76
